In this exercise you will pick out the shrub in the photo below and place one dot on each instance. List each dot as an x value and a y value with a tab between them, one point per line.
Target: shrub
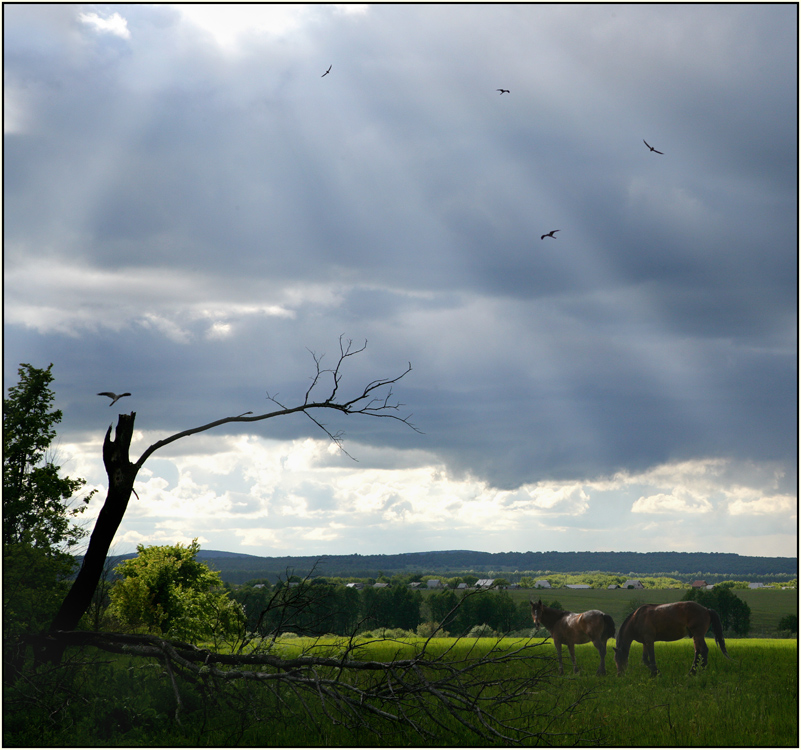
427	629
482	631
788	623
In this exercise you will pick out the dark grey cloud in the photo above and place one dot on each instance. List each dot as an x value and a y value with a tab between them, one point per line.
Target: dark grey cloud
182	221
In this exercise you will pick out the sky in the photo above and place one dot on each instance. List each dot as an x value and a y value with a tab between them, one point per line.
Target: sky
193	212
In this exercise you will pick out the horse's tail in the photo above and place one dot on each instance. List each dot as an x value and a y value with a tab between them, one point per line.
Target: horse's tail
717	629
609	627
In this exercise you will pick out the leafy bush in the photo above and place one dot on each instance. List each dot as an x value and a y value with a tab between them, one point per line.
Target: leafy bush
735	614
482	631
165	590
427	629
788	623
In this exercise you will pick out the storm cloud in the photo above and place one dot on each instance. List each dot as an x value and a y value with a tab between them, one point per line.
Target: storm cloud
190	207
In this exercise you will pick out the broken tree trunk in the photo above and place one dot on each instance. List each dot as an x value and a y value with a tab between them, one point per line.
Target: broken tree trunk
121	475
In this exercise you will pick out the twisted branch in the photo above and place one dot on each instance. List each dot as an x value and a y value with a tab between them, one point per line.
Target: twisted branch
427	691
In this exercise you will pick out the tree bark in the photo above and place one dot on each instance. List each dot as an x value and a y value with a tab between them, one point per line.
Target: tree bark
121	474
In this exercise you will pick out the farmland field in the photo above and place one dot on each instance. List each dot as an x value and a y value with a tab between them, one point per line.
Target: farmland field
750	700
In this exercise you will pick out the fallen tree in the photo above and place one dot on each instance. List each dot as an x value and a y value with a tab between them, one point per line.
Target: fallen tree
489	690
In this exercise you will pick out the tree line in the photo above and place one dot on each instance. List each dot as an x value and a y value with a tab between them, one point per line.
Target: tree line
237	568
341	610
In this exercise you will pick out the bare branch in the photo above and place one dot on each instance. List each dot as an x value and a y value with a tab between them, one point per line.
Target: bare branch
122	472
368	403
483	690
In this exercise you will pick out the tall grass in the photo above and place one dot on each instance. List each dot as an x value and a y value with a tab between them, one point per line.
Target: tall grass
750	700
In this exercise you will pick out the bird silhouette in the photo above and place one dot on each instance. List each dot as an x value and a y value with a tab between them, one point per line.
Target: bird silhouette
113	396
327	71
550	234
651	147
503	91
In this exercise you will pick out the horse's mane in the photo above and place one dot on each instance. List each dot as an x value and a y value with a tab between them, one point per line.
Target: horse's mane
625	622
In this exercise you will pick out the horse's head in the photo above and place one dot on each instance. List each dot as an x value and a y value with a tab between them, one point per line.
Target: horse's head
536	612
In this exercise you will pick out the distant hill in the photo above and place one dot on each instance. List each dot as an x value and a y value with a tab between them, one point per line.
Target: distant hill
238	568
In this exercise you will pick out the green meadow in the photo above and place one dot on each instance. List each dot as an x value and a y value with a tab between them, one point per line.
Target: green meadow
750	700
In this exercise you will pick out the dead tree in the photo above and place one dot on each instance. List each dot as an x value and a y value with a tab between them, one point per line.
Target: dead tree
374	400
493	691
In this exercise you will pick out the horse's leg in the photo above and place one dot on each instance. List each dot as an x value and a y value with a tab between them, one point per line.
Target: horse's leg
558	646
695	660
601	646
572	651
704	651
651	662
701	650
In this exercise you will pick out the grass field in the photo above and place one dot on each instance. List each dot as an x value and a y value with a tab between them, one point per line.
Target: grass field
750	700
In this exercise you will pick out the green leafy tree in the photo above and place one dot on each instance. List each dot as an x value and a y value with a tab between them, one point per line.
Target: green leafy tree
35	498
392	607
734	613
496	609
165	590
440	604
38	526
788	623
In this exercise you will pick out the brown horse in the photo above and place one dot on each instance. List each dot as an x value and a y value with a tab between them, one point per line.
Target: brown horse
667	622
571	628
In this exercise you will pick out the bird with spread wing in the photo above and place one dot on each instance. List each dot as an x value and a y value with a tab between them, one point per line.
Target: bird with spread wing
113	396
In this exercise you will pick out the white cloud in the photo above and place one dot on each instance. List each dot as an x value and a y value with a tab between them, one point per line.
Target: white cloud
114	24
227	23
779	505
672	503
164	299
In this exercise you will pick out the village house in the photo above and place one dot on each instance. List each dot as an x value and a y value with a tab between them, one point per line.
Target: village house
633	583
484	583
701	584
578	586
434	583
542	585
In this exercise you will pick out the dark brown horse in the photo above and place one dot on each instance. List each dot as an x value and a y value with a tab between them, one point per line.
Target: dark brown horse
667	622
571	628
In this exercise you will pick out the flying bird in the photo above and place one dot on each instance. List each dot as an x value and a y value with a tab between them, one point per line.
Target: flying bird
550	234
503	91
327	71
113	396
651	147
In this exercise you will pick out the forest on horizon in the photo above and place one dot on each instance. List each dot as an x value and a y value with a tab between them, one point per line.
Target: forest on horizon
238	568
